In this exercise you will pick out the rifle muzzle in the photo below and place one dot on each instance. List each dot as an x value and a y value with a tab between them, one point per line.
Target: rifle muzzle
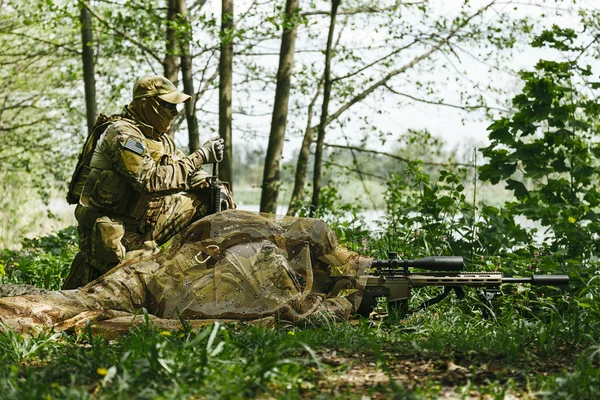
540	280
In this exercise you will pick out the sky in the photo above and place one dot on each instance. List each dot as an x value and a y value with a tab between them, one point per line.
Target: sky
456	128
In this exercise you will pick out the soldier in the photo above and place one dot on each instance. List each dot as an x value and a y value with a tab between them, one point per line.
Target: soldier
133	188
235	265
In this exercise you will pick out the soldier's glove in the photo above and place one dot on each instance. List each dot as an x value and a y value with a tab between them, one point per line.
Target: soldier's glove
212	151
198	180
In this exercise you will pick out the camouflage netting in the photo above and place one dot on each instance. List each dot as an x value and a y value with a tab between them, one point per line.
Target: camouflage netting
233	265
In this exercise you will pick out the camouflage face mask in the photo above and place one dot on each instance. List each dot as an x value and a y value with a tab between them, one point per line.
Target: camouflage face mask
152	113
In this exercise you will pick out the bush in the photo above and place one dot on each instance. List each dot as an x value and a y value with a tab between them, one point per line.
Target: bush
43	262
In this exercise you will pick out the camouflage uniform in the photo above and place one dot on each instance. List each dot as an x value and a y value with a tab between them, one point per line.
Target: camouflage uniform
130	184
234	264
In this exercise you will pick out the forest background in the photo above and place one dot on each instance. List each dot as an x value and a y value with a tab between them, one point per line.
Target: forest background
296	94
471	126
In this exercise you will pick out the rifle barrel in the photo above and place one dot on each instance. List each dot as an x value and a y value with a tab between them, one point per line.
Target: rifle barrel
540	280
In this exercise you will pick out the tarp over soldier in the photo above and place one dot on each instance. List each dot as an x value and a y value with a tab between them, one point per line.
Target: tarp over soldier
234	265
133	187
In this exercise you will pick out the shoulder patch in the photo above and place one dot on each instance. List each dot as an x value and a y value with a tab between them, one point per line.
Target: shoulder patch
135	146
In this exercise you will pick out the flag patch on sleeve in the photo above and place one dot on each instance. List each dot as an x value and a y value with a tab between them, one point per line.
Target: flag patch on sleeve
136	147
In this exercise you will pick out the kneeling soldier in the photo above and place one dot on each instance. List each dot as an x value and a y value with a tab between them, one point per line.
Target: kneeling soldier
133	187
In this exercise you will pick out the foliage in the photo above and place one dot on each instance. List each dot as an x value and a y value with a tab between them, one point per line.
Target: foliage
579	384
548	152
151	364
528	327
43	261
427	216
39	68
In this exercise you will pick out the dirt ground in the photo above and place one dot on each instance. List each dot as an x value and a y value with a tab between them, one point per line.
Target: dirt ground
358	374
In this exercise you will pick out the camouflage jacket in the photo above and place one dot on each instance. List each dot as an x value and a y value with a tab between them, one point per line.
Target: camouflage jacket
131	167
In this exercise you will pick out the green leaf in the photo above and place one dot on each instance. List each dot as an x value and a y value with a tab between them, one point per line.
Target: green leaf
518	188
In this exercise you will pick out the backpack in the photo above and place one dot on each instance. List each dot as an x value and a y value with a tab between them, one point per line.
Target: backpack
83	162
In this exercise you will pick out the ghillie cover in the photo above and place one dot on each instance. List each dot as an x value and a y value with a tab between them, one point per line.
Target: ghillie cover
232	265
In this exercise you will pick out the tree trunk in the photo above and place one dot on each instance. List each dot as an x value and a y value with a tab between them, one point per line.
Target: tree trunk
188	81
225	88
300	176
271	175
89	79
170	64
324	111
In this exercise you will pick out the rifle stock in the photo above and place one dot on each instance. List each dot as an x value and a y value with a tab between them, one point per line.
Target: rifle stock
392	279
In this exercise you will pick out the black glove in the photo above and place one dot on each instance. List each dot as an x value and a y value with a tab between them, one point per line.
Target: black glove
212	151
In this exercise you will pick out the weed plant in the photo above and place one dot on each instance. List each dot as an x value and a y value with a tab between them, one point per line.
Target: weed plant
43	262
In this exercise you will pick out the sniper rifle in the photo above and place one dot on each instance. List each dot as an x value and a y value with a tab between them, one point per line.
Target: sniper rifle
393	280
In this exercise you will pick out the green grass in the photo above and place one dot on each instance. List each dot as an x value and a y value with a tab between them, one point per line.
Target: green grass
539	343
245	361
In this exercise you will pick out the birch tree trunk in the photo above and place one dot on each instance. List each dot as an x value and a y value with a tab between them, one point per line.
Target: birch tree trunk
324	111
87	56
271	174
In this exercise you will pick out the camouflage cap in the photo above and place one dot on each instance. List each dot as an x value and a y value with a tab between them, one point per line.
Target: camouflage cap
155	85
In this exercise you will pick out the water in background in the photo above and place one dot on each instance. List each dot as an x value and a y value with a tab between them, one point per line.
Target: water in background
371	216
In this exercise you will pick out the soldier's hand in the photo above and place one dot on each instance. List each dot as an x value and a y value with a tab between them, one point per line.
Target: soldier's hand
212	151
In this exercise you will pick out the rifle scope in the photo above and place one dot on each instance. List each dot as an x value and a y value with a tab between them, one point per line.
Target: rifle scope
540	280
449	263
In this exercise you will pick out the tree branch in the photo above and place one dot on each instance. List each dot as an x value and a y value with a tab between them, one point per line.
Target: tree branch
320	51
198	3
15	127
124	34
439	103
21	104
37	39
583	50
361	10
373	63
404	68
181	116
348	168
406	160
360	173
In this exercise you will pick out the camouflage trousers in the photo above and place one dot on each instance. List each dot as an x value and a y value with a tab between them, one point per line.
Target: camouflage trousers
104	241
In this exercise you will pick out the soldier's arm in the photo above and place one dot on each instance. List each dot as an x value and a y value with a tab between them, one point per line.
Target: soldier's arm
173	150
131	158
